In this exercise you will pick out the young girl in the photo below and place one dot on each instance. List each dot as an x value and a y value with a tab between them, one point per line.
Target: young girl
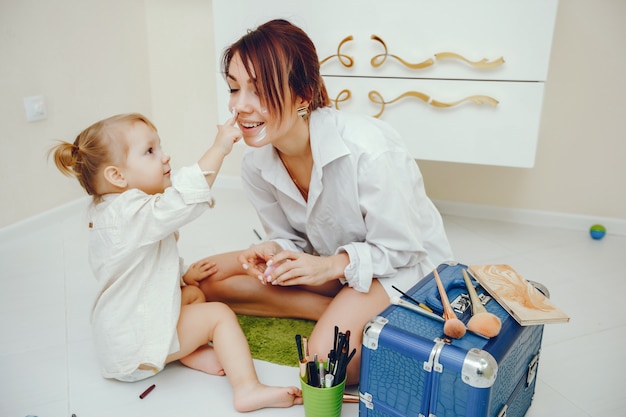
142	319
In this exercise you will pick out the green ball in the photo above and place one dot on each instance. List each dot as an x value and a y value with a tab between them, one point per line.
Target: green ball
597	231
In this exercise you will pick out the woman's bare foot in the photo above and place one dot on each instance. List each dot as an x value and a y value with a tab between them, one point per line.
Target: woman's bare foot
204	359
256	396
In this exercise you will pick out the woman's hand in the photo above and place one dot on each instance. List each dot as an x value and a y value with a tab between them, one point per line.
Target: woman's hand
198	271
289	268
254	260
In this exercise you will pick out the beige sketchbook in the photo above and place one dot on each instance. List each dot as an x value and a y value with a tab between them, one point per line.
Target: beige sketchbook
519	297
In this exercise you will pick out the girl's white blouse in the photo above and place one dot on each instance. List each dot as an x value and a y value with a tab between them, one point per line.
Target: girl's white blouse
134	256
366	198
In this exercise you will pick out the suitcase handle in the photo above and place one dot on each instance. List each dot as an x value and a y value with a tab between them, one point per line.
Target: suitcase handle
433	299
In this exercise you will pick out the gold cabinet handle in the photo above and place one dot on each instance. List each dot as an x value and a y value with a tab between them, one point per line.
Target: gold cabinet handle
343	96
377	98
483	63
379	60
346	60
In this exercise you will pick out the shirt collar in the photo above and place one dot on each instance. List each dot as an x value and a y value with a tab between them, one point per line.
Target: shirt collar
326	142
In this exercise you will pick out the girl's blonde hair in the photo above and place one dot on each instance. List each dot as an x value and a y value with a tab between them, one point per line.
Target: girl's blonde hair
98	145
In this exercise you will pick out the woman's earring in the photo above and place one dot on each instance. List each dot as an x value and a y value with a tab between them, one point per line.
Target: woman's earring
303	111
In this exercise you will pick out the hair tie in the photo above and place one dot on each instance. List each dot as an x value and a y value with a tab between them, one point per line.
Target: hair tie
75	149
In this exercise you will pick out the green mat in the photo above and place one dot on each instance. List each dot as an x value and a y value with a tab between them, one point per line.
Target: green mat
273	339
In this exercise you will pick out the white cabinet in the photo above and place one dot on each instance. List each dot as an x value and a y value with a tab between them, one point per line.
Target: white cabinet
461	80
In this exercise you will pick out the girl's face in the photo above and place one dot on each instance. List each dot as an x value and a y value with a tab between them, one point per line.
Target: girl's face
257	125
147	166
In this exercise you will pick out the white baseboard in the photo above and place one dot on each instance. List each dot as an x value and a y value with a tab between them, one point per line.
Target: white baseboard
41	220
614	226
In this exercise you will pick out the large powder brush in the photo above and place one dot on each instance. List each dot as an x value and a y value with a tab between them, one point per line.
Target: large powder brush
482	321
453	327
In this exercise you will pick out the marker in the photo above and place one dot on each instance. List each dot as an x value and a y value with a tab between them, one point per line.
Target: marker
328	380
313	375
147	391
322	372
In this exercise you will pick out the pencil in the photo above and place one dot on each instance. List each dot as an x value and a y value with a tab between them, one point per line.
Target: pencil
147	391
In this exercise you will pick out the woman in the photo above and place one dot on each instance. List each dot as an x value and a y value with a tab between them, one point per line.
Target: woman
342	202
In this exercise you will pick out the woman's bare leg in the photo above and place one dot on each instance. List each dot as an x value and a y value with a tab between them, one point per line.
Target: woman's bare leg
201	323
349	310
246	295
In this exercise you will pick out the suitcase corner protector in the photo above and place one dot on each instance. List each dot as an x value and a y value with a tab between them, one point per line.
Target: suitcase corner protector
480	369
371	332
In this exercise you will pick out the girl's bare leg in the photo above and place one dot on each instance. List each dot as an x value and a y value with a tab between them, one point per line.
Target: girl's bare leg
349	310
246	295
204	322
191	294
204	358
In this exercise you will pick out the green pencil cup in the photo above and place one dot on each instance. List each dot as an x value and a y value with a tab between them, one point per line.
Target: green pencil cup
322	402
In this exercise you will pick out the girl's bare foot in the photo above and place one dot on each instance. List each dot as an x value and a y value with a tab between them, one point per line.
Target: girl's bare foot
256	396
204	359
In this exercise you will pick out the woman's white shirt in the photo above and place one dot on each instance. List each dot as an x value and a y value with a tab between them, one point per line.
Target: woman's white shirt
366	198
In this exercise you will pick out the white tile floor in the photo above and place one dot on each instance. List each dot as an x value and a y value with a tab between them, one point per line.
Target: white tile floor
48	367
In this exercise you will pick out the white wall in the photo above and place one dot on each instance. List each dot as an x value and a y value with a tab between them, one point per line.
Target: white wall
88	58
92	59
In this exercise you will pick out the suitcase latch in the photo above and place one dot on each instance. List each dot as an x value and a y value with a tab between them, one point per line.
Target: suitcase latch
462	302
366	398
433	358
532	369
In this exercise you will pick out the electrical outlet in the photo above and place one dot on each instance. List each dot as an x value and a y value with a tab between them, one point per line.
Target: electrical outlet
35	107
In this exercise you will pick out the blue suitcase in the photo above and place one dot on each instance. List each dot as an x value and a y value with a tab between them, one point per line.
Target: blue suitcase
409	368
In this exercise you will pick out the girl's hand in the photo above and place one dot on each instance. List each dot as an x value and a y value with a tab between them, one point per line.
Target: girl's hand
254	260
199	271
289	268
227	135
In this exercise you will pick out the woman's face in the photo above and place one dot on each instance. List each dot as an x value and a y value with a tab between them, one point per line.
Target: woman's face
258	126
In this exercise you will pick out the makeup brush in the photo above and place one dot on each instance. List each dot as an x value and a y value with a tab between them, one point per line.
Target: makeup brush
453	327
410	306
482	321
